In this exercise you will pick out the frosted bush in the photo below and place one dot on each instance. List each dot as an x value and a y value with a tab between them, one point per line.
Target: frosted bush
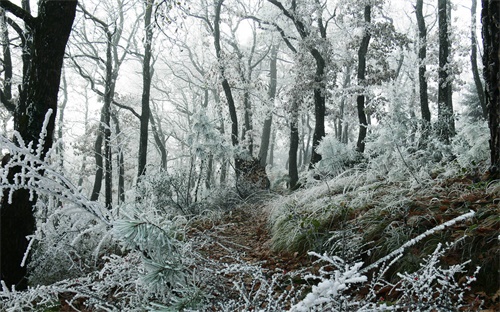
434	288
335	156
331	293
470	144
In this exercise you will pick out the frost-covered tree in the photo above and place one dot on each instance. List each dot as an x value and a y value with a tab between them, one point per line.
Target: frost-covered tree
446	122
491	63
49	32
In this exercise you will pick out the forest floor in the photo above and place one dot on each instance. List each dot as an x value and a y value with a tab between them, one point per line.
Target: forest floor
242	236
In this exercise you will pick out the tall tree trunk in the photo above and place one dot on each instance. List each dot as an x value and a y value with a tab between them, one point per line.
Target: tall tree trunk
271	94
360	100
294	145
473	60
422	68
159	141
119	159
270	161
225	84
60	127
50	33
6	93
99	161
491	62
446	123
108	98
345	84
146	88
319	106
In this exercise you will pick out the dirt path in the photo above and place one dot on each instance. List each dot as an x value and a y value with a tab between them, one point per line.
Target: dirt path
244	232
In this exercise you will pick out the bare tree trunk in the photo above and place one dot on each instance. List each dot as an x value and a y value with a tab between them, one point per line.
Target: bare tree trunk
99	162
146	88
50	32
271	94
491	62
60	148
294	144
363	49
473	59
346	83
446	123
119	159
159	141
422	68
6	93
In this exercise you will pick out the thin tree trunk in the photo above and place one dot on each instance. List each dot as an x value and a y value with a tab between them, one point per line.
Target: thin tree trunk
294	145
159	141
146	89
363	49
446	124
119	160
60	148
473	61
422	68
346	83
99	162
271	94
491	62
108	98
6	93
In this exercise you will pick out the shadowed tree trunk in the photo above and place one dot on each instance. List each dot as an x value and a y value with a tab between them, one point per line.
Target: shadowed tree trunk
360	100
271	94
294	146
225	84
446	124
319	76
50	32
146	88
473	60
491	62
422	68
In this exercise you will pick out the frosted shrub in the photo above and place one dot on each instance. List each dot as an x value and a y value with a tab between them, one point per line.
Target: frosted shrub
335	156
71	230
434	288
169	192
431	288
470	144
68	243
257	289
332	292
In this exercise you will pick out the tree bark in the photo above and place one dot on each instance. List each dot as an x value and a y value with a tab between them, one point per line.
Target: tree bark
422	68
473	60
120	161
319	76
99	162
6	93
50	33
446	123
360	100
271	94
225	84
294	145
146	89
491	62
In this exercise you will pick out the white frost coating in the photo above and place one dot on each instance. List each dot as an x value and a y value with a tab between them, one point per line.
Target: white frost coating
31	239
43	133
328	290
419	238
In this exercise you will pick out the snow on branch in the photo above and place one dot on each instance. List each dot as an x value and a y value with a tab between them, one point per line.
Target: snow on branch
28	169
415	240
